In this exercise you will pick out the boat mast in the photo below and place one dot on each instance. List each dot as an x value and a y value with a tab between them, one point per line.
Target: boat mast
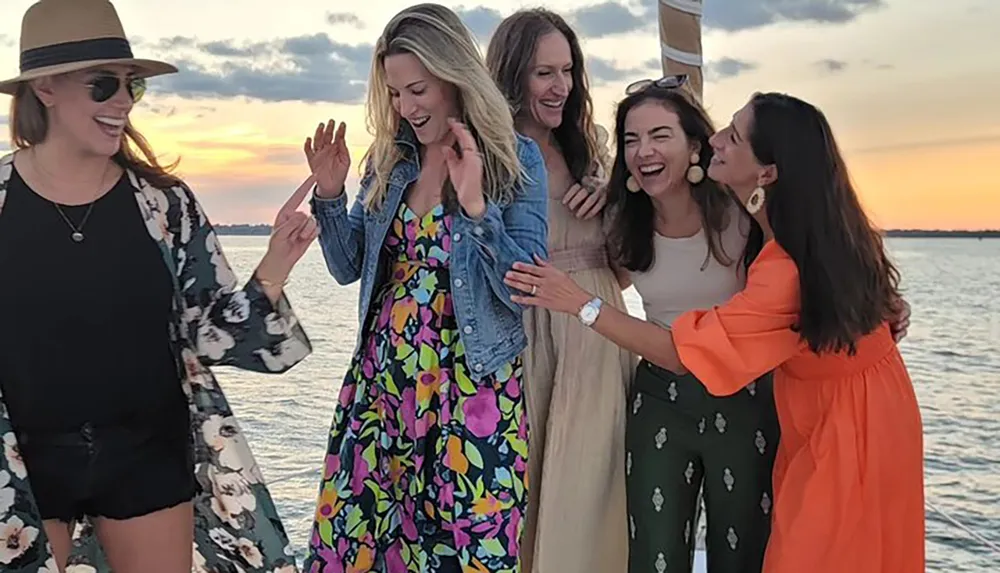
680	40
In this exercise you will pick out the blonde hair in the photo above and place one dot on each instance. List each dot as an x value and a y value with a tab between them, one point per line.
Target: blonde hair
29	125
436	36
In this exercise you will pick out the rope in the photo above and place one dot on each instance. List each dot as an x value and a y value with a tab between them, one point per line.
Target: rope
974	534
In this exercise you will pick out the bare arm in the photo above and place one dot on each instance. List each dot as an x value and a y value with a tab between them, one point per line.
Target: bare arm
557	291
641	337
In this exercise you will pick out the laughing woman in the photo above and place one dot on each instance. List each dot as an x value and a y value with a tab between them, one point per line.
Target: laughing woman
425	469
817	307
576	514
119	300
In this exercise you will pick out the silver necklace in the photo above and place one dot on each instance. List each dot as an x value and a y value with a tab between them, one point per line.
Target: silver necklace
77	234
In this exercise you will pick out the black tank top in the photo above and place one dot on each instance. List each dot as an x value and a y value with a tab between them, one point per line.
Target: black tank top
84	325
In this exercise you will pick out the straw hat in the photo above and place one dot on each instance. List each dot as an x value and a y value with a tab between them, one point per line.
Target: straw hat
60	36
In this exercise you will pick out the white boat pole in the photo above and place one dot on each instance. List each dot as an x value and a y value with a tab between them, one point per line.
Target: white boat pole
680	40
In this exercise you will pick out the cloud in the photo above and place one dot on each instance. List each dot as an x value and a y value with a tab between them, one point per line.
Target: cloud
311	68
604	71
725	68
224	49
481	20
610	17
878	65
335	18
721	69
315	68
737	15
605	19
831	66
196	112
6	41
156	109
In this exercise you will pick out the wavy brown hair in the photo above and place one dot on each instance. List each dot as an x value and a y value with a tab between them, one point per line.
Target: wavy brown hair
29	125
848	284
509	56
632	216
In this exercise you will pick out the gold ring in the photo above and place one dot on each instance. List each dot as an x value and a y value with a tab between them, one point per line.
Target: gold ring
534	289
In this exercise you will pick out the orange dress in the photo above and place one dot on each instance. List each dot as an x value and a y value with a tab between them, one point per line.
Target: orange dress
848	478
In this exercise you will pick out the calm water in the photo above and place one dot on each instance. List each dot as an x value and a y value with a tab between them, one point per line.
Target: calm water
953	353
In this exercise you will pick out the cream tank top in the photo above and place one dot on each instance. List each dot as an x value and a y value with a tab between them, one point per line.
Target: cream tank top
682	279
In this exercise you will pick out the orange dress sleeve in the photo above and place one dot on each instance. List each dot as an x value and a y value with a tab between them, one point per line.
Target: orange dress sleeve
731	345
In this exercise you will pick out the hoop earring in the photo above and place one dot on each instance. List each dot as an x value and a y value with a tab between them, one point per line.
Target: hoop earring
632	185
755	201
695	174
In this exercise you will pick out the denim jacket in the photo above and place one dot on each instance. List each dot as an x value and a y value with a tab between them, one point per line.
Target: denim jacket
482	252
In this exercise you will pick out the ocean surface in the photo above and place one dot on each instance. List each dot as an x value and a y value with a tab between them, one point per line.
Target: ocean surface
952	351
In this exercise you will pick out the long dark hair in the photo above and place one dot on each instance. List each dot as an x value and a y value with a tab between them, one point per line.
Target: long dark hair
29	125
508	58
632	216
848	284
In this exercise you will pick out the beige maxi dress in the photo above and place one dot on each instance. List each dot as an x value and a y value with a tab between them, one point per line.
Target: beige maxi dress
576	385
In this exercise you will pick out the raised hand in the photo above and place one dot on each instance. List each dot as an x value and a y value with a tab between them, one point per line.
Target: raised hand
328	158
587	198
466	171
291	235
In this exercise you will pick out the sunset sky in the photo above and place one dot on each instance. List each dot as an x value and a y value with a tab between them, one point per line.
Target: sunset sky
909	85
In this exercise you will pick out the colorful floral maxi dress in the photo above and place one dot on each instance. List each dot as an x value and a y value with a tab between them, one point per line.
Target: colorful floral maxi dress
425	469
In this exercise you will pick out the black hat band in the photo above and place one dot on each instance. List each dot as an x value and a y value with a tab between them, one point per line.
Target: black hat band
79	51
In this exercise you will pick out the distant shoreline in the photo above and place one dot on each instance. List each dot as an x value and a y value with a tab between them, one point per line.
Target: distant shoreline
265	230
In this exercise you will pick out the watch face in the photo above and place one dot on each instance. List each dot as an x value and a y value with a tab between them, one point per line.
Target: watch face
588	313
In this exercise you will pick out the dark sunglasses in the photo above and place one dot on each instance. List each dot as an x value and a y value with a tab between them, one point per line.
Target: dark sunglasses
104	87
666	82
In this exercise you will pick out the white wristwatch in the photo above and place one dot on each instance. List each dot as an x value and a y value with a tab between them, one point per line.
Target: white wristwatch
590	311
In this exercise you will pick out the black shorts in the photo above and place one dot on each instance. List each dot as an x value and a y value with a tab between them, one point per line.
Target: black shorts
117	472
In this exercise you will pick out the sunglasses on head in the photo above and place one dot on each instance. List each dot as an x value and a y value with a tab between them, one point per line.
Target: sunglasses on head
666	82
104	87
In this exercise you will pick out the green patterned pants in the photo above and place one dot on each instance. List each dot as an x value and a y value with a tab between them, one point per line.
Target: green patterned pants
681	442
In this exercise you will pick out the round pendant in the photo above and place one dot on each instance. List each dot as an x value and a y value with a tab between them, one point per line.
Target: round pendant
77	237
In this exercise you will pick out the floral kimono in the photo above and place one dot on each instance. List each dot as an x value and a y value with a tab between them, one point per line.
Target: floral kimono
214	323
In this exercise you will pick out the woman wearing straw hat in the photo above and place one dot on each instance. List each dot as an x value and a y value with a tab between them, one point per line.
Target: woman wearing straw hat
122	301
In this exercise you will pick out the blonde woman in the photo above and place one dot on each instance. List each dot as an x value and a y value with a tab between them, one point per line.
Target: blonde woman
576	513
425	468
